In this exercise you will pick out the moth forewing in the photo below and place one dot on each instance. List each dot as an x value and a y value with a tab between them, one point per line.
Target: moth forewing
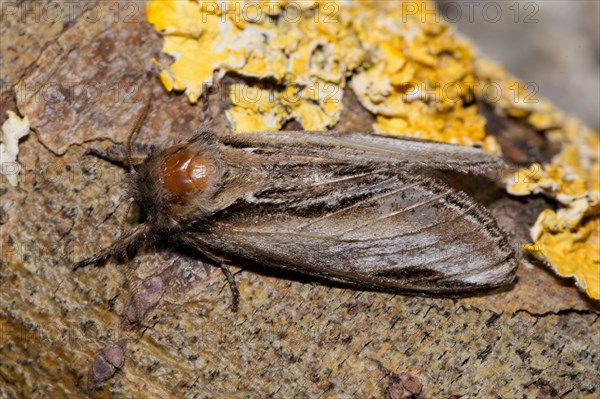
350	207
361	148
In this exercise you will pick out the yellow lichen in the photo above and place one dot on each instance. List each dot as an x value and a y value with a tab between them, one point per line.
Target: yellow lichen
509	96
302	47
570	243
250	102
421	75
416	76
552	180
567	239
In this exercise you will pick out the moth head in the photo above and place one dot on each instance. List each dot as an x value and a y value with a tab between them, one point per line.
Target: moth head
179	181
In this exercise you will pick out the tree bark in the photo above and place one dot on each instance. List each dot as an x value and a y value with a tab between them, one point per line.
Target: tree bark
290	337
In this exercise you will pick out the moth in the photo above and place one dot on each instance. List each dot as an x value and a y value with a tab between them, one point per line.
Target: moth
355	208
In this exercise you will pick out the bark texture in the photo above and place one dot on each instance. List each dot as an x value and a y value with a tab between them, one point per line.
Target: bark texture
61	330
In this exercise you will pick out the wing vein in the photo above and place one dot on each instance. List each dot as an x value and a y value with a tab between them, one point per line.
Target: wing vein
375	198
389	215
451	256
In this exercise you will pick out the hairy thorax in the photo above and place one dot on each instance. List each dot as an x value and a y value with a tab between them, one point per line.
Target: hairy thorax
179	183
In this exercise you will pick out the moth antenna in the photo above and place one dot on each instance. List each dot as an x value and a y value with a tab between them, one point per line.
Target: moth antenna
205	96
136	126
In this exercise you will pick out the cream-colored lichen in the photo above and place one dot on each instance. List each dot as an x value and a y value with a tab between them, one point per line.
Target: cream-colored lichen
13	129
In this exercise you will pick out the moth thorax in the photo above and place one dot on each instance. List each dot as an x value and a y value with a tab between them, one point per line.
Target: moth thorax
185	172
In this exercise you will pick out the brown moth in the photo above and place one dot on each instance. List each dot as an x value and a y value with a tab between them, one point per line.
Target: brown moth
356	208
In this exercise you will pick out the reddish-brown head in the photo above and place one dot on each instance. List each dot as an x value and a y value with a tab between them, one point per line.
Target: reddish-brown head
185	173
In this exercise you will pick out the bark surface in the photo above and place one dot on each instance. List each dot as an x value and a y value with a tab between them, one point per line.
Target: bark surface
292	337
